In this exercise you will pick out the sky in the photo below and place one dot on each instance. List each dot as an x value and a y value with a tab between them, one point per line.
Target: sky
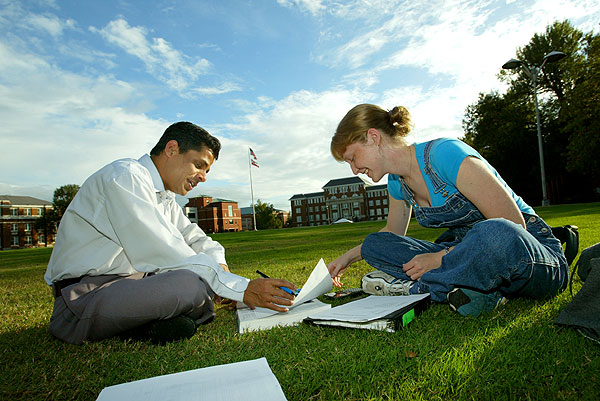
86	82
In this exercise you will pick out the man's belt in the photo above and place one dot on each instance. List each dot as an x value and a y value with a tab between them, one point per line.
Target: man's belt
57	286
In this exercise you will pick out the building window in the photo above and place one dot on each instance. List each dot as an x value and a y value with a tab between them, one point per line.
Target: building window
14	228
378	202
28	211
378	211
385	210
310	209
28	240
14	211
356	206
41	239
371	202
298	210
15	241
230	210
39	211
385	201
372	212
28	227
323	216
299	219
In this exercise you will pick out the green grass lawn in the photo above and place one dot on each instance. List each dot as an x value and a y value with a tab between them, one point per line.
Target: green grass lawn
512	353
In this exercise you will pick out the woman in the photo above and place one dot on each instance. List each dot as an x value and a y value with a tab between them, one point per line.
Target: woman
496	246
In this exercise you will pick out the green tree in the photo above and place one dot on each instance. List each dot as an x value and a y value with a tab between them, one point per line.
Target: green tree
503	127
582	111
47	222
63	197
266	216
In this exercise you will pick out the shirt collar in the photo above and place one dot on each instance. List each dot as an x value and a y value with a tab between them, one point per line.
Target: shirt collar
147	162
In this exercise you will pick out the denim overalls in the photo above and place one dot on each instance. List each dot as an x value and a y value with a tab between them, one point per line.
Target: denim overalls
490	254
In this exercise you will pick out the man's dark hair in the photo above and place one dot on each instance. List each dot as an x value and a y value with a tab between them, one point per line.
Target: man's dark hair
189	137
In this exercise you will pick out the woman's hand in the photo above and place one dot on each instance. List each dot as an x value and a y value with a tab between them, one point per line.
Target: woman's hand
421	264
339	266
337	269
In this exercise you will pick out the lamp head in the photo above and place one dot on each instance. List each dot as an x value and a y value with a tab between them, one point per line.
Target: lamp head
512	64
554	56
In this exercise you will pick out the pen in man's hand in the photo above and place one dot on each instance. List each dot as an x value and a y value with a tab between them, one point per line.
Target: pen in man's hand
291	292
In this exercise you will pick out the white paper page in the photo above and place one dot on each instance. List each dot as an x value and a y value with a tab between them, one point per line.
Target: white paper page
248	380
367	309
319	282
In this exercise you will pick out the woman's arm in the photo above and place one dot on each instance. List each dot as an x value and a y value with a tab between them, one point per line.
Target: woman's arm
478	184
398	216
397	222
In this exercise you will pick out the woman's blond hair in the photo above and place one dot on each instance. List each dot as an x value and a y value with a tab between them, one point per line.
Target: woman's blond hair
354	126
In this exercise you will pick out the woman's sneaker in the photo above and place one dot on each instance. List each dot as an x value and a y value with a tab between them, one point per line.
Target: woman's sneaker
473	303
380	283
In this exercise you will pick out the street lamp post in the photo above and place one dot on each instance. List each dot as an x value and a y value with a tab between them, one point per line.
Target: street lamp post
533	72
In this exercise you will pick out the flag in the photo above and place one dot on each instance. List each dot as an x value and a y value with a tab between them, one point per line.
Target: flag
253	158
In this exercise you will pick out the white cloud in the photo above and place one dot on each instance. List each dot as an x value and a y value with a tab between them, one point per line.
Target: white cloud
161	59
218	90
49	23
313	7
61	127
291	140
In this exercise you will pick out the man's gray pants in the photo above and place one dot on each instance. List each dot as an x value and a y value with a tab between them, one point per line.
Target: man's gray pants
99	307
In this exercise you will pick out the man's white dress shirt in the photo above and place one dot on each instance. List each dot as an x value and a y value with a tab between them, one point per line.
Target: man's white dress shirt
123	221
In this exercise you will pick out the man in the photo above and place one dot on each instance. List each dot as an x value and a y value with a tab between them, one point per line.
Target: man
128	262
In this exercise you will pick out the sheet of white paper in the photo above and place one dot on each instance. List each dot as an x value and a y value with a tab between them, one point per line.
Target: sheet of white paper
319	282
248	380
367	309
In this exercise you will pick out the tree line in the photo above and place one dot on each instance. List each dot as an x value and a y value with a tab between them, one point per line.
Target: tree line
502	127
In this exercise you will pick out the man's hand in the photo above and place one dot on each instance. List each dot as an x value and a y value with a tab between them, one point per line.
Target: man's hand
265	292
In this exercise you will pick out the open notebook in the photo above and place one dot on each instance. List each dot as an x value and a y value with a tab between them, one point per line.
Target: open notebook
388	313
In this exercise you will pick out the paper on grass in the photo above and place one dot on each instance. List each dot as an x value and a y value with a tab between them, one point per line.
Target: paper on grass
319	282
248	380
368	309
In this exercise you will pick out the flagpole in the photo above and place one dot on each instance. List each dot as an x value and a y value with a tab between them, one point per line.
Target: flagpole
251	190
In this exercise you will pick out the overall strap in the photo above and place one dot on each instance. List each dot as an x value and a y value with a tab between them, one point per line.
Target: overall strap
438	184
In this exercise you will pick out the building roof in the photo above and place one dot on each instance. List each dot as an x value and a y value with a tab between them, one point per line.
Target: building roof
218	200
376	187
298	196
347	181
25	200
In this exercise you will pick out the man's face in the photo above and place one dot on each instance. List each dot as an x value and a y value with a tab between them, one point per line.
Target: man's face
185	170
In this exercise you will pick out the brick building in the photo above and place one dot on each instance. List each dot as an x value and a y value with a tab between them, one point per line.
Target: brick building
214	216
18	215
352	198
